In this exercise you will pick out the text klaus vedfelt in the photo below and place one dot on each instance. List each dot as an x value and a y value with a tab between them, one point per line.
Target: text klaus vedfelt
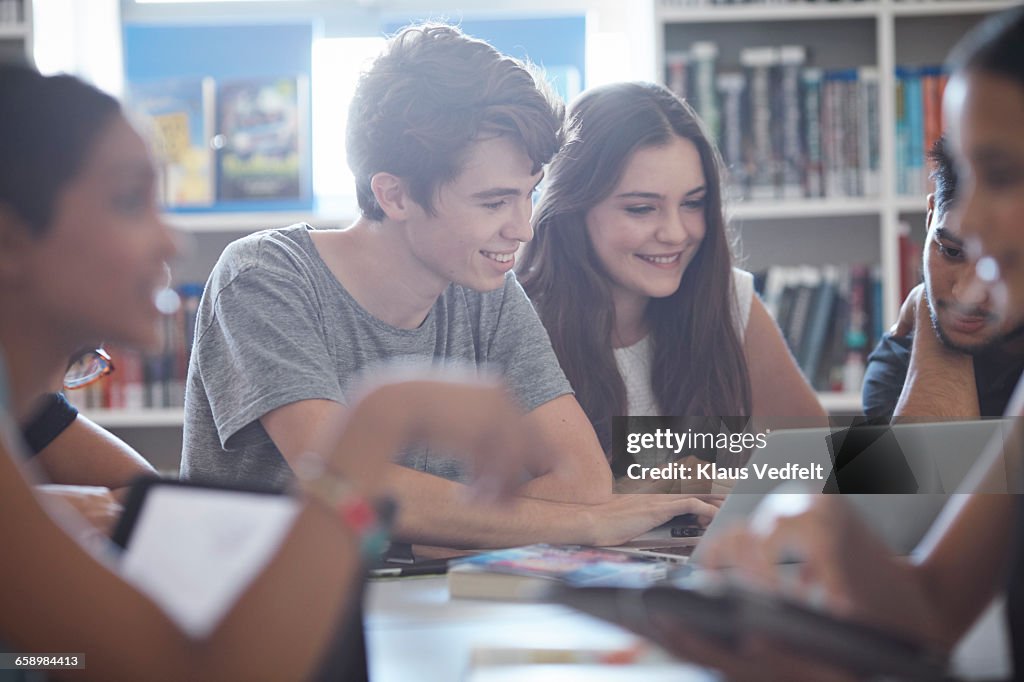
664	439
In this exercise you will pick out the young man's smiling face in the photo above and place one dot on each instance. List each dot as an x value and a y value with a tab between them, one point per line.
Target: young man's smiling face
481	218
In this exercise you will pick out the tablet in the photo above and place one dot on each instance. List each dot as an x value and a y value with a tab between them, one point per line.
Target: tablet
193	548
724	612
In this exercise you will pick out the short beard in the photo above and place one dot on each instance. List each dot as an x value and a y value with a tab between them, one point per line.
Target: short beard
978	349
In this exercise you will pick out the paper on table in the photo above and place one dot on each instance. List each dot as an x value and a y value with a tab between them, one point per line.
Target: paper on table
194	550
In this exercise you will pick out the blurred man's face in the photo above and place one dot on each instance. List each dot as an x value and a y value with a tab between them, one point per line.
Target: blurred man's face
985	115
962	309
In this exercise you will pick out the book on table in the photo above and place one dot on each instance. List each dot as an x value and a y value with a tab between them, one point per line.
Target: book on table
524	573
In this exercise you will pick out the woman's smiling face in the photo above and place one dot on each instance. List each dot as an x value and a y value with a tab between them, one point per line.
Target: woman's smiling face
647	230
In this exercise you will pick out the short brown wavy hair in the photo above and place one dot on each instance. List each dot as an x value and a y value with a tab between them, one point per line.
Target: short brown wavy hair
425	100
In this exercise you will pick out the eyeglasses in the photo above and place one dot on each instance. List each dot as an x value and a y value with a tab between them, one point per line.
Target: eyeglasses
88	368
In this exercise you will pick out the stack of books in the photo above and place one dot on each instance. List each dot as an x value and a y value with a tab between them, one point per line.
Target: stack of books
526	573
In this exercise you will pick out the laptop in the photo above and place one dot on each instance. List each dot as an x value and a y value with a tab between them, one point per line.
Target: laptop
906	474
194	548
898	477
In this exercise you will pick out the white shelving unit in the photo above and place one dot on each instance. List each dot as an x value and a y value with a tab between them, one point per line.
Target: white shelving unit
119	419
243	223
897	27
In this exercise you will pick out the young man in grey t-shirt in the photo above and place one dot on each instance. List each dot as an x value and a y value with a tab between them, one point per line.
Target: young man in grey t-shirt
447	139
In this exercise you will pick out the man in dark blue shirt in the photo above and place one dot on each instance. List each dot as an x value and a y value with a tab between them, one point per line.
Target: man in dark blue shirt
964	359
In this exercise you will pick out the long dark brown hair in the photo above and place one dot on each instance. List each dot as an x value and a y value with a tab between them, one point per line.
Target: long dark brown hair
698	368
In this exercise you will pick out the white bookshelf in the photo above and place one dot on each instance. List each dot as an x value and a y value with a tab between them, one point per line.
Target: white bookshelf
848	402
244	223
904	32
115	419
887	18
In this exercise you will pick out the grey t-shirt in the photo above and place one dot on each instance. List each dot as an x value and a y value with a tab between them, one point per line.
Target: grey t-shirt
275	326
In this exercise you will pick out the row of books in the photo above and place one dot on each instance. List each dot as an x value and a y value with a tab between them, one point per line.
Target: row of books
227	141
918	124
830	316
12	12
150	380
786	130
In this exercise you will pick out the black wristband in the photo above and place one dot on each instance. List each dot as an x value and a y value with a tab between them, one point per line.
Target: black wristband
55	414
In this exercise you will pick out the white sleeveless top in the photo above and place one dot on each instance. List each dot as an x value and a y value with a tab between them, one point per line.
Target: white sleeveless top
635	361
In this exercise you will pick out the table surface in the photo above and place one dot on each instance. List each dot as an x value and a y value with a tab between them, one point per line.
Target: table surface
415	632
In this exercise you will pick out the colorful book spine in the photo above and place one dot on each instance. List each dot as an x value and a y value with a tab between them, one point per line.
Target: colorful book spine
677	70
791	62
730	91
915	130
902	133
812	78
869	162
703	55
759	64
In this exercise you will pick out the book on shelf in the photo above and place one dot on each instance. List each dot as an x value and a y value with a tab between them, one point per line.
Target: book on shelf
228	144
731	87
677	70
177	114
703	55
155	379
525	573
786	128
261	139
761	153
787	115
829	315
918	124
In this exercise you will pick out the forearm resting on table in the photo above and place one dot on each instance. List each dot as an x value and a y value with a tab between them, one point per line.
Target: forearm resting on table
436	511
568	484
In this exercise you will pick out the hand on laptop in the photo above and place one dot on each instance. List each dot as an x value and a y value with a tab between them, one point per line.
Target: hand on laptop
627	516
844	568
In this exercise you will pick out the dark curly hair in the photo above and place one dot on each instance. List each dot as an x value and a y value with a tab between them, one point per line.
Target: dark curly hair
47	125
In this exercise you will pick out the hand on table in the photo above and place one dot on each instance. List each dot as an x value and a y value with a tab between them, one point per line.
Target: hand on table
95	504
844	569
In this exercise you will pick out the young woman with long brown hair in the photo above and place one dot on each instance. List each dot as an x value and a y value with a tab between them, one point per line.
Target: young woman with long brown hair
632	273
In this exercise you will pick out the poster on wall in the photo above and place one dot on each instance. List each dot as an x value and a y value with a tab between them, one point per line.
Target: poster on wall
262	139
177	116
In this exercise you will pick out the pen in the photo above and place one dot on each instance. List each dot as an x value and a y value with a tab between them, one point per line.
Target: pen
403	571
